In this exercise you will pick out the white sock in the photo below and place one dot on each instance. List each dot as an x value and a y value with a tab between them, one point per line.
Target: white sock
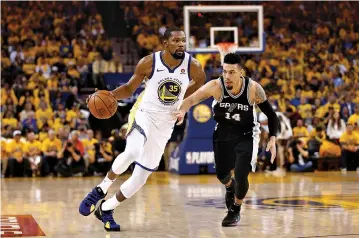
110	204
106	184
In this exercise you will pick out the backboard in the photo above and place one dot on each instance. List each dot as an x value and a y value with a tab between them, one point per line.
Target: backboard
206	26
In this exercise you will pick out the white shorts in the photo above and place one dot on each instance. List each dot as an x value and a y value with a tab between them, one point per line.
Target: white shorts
156	132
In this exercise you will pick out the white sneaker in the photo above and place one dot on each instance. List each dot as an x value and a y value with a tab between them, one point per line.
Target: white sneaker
344	171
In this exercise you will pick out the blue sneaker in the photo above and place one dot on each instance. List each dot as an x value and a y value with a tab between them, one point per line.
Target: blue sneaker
88	205
107	218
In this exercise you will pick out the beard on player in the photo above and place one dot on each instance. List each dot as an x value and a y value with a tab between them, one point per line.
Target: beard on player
228	84
178	54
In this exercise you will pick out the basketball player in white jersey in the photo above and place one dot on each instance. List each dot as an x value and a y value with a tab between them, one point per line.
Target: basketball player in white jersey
171	75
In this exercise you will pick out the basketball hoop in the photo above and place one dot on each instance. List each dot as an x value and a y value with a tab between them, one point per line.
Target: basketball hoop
225	48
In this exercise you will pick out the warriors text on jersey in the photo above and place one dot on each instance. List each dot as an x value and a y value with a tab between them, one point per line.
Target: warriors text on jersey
236	111
165	88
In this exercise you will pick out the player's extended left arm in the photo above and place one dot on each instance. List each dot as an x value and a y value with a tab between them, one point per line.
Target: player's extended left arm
260	99
198	77
200	95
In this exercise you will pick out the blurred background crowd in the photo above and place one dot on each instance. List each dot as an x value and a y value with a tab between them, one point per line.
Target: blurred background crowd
55	53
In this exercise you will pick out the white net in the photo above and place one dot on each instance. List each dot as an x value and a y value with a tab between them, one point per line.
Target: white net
225	48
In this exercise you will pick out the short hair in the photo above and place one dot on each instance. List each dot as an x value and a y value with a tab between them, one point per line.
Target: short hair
168	32
232	58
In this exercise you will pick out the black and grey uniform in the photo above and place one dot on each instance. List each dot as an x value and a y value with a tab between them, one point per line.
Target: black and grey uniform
236	136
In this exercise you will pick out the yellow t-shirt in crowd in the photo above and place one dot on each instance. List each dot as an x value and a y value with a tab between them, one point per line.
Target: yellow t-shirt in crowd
15	149
349	139
90	146
300	131
302	108
70	115
354	119
10	121
51	145
33	147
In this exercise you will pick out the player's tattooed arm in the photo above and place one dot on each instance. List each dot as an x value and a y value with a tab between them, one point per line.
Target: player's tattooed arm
143	70
259	94
197	76
210	89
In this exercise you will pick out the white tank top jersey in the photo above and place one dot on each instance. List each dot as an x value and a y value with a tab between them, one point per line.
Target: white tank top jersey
165	88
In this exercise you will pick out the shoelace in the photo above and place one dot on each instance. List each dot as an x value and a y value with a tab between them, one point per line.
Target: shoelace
93	198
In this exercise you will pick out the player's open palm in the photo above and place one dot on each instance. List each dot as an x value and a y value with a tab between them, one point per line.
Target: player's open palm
272	148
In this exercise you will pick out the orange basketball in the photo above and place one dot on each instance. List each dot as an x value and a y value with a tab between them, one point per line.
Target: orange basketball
102	104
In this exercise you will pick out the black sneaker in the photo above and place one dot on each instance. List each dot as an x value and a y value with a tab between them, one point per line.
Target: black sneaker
107	218
233	216
229	197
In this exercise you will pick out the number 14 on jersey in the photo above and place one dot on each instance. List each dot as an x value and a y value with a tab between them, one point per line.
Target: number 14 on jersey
236	116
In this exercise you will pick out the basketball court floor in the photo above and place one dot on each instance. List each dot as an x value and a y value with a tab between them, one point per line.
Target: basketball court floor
324	204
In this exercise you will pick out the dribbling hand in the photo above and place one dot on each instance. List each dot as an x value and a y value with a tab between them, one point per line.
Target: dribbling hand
272	148
88	98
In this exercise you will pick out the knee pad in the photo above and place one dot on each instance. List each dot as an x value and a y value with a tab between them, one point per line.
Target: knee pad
135	182
224	178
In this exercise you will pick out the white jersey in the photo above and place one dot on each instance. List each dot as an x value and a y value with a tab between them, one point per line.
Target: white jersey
154	119
165	88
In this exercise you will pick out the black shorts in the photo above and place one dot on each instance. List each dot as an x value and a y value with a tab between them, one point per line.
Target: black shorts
234	153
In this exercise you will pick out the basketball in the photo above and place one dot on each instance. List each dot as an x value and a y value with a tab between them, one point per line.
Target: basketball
102	104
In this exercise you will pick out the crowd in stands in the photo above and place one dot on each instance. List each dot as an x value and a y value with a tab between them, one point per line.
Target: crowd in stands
48	51
310	71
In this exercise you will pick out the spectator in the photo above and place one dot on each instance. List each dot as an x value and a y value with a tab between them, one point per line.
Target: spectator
4	156
298	157
51	147
119	139
114	66
285	133
106	53
336	127
300	130
89	144
354	119
103	157
33	154
30	123
350	149
71	156
98	69
25	113
18	165
9	119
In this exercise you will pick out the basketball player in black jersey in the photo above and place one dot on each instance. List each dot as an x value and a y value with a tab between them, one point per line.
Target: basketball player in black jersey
236	136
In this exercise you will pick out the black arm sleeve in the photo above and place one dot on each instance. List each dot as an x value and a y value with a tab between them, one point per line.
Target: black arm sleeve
273	122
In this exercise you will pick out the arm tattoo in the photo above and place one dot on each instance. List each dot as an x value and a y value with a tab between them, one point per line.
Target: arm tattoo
260	95
202	98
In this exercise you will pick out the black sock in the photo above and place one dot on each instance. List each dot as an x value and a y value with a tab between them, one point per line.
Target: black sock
236	207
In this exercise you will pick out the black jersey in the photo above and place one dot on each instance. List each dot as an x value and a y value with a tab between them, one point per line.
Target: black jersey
234	113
